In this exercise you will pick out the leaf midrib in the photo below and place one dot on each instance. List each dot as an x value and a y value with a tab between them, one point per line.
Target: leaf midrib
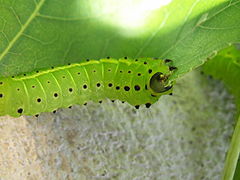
23	28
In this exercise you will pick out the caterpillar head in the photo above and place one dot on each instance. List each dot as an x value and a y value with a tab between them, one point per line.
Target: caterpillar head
159	84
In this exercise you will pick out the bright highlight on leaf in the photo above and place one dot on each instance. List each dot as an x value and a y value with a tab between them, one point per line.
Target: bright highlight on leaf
130	16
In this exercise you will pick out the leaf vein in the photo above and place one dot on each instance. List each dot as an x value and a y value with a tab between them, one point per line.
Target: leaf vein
198	25
23	28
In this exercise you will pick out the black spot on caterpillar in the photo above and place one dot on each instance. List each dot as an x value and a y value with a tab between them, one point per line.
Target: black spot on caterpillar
136	81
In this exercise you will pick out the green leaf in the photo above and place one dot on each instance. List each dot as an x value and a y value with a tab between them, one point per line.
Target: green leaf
233	154
226	67
237	171
42	33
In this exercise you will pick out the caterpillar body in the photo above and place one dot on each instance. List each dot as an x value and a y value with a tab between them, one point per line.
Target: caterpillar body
137	81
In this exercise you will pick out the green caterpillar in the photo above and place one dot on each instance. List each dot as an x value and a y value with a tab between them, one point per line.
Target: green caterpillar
137	81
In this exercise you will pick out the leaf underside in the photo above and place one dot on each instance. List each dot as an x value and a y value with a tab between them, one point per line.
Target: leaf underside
43	33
